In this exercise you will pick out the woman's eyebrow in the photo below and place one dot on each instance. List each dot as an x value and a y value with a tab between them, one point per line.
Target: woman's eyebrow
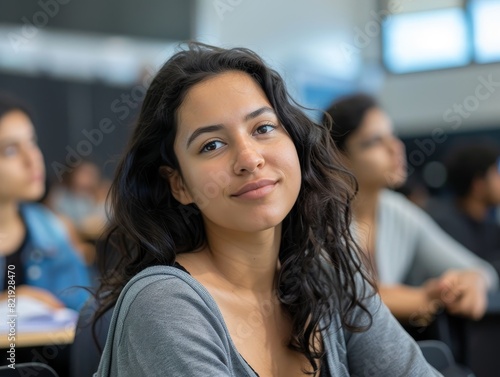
203	130
260	111
218	127
5	142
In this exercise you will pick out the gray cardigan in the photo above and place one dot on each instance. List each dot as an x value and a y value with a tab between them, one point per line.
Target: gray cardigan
411	247
165	323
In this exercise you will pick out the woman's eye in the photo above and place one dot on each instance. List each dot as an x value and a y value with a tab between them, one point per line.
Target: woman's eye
11	150
265	128
212	146
370	142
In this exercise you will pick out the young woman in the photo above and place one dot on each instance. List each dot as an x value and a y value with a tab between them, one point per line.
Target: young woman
34	245
420	269
231	213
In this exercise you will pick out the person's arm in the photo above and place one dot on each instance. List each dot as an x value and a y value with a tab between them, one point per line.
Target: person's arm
86	249
464	293
63	272
385	349
36	293
412	305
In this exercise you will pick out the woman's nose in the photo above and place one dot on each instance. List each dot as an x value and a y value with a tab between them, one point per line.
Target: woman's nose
248	159
33	156
396	145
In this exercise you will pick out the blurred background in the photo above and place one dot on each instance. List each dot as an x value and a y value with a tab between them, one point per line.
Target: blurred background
84	66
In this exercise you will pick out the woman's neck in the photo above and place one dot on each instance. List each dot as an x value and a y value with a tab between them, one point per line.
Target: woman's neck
247	261
365	204
12	230
9	215
474	208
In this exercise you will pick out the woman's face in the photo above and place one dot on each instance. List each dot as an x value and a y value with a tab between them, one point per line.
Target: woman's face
22	171
492	186
239	165
375	156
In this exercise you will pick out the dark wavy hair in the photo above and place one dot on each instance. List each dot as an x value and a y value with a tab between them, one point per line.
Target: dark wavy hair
469	160
347	114
322	271
10	103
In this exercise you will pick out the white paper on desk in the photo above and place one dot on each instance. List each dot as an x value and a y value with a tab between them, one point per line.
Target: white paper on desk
34	316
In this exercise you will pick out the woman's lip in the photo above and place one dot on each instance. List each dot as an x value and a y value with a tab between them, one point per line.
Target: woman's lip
255	188
257	193
37	178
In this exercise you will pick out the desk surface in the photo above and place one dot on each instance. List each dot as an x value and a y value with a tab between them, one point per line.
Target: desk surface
40	338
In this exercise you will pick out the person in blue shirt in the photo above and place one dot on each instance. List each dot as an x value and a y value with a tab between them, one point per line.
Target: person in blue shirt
35	252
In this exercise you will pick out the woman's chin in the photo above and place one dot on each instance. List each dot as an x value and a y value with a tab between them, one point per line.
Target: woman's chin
396	180
32	195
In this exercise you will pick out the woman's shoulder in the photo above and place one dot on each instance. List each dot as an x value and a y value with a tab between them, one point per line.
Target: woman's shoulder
398	205
167	295
43	224
37	211
167	288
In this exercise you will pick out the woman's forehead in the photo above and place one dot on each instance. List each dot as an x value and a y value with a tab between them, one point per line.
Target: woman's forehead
225	98
15	123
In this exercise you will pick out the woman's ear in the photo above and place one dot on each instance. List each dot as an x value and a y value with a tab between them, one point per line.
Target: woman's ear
176	183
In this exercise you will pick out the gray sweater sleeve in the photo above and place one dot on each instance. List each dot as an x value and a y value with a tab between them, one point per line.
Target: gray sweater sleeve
385	349
175	337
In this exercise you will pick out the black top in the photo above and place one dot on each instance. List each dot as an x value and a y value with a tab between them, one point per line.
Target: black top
481	237
325	370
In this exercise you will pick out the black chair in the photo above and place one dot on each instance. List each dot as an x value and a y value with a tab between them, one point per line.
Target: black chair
440	357
28	369
85	355
482	340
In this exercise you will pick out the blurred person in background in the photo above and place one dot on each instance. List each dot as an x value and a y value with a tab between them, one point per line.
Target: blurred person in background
34	243
81	199
468	216
420	268
415	191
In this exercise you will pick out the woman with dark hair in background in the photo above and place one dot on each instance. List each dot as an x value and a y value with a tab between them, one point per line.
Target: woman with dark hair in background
34	244
231	216
420	269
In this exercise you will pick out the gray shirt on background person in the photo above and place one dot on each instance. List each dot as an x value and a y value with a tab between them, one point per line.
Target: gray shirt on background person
165	323
411	248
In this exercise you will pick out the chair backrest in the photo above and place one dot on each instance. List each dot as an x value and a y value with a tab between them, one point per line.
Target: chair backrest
436	353
28	369
440	357
85	355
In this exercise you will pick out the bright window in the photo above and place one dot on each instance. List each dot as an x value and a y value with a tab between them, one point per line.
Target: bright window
486	27
420	41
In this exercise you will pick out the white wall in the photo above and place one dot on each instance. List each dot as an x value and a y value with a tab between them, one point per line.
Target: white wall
307	40
454	100
296	37
422	102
